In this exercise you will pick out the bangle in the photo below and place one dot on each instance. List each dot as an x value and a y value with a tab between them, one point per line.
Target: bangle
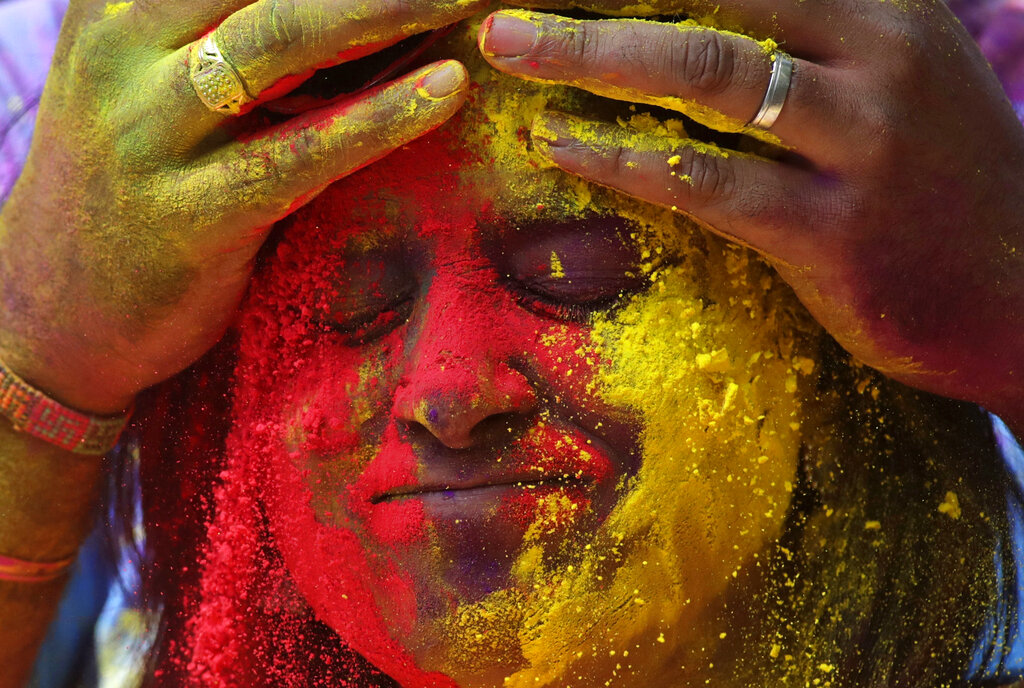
21	571
34	413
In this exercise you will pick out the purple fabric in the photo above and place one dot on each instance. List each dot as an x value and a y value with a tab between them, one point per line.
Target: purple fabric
28	36
998	26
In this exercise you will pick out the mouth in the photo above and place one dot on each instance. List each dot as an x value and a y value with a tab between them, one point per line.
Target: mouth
470	490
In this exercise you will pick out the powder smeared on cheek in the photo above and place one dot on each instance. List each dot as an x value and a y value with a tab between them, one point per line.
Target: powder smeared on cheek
709	360
294	507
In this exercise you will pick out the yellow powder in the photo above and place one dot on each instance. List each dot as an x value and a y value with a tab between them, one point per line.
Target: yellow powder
711	362
676	549
691	108
556	266
950	506
114	9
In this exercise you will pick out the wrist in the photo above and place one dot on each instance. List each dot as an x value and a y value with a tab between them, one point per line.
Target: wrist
33	412
71	380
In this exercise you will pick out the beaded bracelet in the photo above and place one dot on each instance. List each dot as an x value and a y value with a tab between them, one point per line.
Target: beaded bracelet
21	571
34	413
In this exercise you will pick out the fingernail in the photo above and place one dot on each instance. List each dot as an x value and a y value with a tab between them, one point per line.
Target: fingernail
506	35
442	81
547	137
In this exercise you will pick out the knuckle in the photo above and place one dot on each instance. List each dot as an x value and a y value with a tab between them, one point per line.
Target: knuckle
149	6
604	163
279	29
706	61
577	46
306	147
262	171
88	69
616	161
712	179
850	207
400	11
758	203
881	129
636	49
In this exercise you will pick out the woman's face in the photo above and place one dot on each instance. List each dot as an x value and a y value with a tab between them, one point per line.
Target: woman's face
518	430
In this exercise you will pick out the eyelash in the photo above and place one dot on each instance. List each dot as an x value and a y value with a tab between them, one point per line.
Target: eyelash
546	306
360	331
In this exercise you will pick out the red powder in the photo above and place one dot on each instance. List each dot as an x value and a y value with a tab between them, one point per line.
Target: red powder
261	577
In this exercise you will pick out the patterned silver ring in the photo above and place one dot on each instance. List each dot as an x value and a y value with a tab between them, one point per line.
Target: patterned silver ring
215	81
778	89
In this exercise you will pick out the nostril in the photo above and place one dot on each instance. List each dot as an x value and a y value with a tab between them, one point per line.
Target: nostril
500	428
416	432
465	406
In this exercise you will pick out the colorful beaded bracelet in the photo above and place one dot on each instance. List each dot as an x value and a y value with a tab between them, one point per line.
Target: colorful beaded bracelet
21	571
34	413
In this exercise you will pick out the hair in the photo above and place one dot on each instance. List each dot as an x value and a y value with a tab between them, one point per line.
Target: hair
897	558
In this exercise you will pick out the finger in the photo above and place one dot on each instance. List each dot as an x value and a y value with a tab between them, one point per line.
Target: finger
274	39
255	183
177	23
769	206
716	78
812	29
273	44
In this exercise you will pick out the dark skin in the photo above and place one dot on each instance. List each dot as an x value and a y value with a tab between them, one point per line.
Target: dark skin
900	195
894	215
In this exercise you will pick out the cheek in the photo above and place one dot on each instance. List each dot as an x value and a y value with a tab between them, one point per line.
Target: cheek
565	358
336	408
568	366
719	398
340	421
332	425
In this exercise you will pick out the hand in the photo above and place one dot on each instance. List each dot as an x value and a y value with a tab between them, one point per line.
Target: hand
897	210
131	234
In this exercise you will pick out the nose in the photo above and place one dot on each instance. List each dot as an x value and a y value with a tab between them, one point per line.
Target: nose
463	400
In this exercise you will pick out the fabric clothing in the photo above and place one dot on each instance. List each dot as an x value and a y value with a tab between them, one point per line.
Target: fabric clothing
28	36
97	620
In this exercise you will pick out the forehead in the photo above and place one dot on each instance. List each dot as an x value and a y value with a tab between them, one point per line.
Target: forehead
459	185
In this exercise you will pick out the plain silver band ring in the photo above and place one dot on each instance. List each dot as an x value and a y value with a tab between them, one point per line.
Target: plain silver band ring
778	89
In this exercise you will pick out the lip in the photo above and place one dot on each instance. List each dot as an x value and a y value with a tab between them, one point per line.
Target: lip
481	488
466	485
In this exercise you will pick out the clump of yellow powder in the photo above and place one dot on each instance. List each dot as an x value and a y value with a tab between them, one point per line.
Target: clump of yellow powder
709	360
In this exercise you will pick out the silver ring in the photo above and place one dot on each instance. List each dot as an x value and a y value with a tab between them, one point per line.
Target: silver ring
215	81
778	89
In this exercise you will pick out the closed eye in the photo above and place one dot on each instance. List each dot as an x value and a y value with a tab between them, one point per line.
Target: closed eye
373	294
572	269
371	322
577	298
